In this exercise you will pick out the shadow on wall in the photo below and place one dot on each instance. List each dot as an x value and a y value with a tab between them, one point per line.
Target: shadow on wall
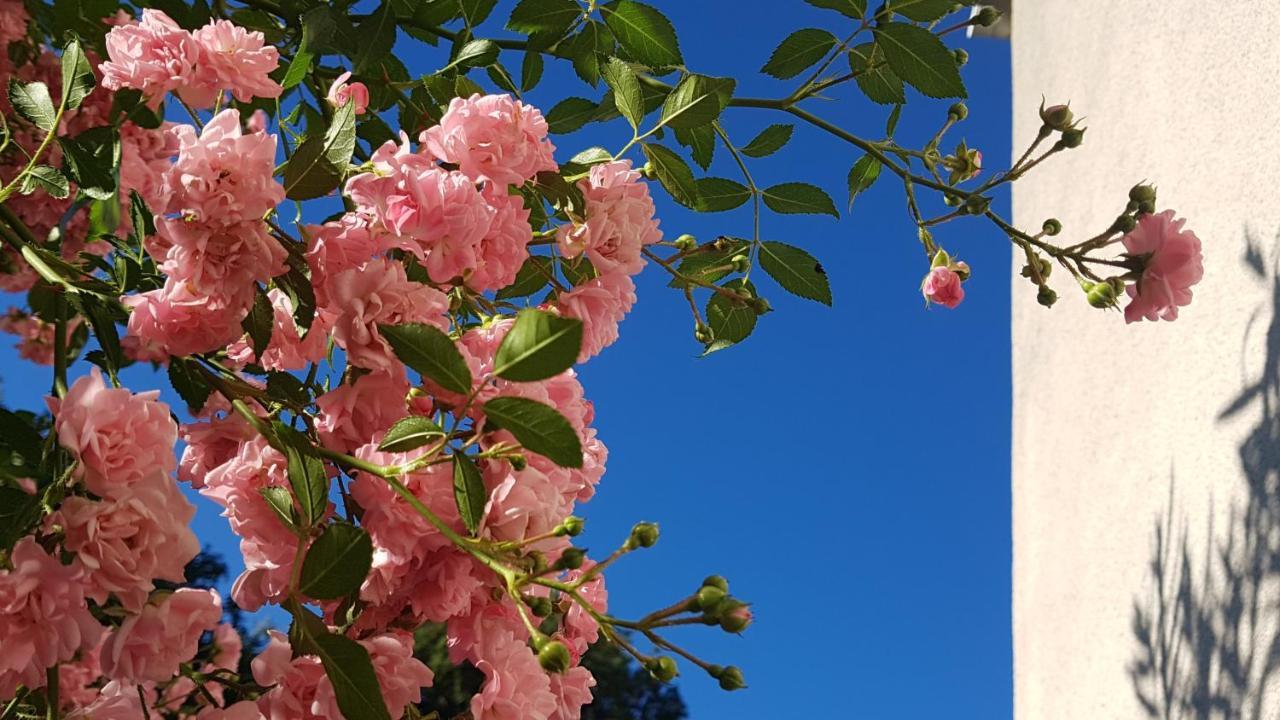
1207	635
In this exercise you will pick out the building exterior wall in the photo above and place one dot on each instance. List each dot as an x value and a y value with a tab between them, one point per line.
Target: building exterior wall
1146	512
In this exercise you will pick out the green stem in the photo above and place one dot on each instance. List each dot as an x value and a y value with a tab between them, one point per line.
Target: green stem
52	701
60	346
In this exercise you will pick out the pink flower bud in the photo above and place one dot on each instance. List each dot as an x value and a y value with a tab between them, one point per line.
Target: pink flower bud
340	92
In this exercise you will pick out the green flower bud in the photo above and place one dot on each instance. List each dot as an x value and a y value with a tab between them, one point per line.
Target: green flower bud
1124	224
539	561
977	204
570	559
741	263
1146	207
540	606
1052	227
554	657
987	16
1141	193
1117	284
1100	295
716	581
708	597
572	526
644	534
648	172
702	333
962	58
518	462
1057	117
736	617
1046	297
1072	138
959	111
686	242
761	306
730	677
662	668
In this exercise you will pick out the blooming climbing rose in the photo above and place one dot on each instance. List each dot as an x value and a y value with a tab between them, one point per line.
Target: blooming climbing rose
943	286
152	644
1172	263
492	138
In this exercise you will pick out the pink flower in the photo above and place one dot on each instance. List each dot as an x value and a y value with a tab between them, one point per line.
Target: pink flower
179	322
13	21
336	246
620	220
243	710
151	645
231	58
504	248
942	285
571	690
340	92
492	138
120	439
144	159
46	619
35	336
1172	263
600	304
220	262
116	701
288	349
361	299
352	413
125	543
153	56
516	687
223	175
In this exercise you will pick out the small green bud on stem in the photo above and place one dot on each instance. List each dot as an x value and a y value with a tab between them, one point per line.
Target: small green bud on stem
686	242
572	526
554	657
643	535
1046	297
662	668
959	111
1052	227
570	559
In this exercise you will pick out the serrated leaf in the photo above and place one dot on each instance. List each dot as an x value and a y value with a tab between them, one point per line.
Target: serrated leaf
570	114
538	428
281	503
140	217
48	179
586	49
730	321
799	51
874	77
710	263
258	323
917	56
538	346
104	329
77	76
769	141
189	384
799	198
701	142
891	124
475	12
336	563
696	101
350	671
646	35
469	492
530	71
318	165
796	271
410	433
543	17
307	476
377	35
31	101
863	175
91	160
532	277
855	9
476	53
626	90
720	194
18	512
673	174
924	10
431	352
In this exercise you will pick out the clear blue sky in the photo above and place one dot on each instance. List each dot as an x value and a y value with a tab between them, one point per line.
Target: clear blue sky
847	469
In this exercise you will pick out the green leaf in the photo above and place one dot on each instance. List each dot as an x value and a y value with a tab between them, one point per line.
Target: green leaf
532	277
18	512
281	503
719	194
731	321
673	173
799	198
539	345
874	77
336	563
530	71
350	671
129	105
924	10
475	12
48	179
920	58
696	101
710	263
538	428
646	35
544	17
377	36
796	271
31	101
586	48
143	222
891	124
104	329
318	165
701	142
477	53
189	384
77	76
258	323
570	114
769	141
287	388
429	350
410	433
318	29
91	159
855	9
800	50
626	90
307	474
862	176
469	492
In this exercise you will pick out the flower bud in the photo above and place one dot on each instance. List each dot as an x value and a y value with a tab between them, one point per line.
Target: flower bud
572	526
540	606
570	559
761	306
940	259
662	668
1044	267
539	562
518	462
958	112
964	164
1046	297
716	581
708	597
1124	224
1100	295
702	333
741	263
1072	138
1057	117
977	204
962	58
736	618
644	534
1141	193
554	657
1117	284
730	677
686	242
1146	207
987	16
648	172
1052	227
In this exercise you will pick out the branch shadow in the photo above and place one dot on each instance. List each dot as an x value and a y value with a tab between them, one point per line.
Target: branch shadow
1208	644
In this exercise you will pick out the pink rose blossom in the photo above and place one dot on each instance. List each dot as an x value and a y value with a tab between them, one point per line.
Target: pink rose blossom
35	336
361	299
288	349
144	159
942	285
223	175
503	250
153	56
176	321
151	645
341	91
13	21
352	413
231	58
571	690
1172	264
516	687
492	138
620	220
116	701
336	246
46	619
78	680
119	438
243	710
600	304
220	262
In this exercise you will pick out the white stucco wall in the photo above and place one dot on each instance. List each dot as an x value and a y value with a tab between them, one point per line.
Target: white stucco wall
1146	516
